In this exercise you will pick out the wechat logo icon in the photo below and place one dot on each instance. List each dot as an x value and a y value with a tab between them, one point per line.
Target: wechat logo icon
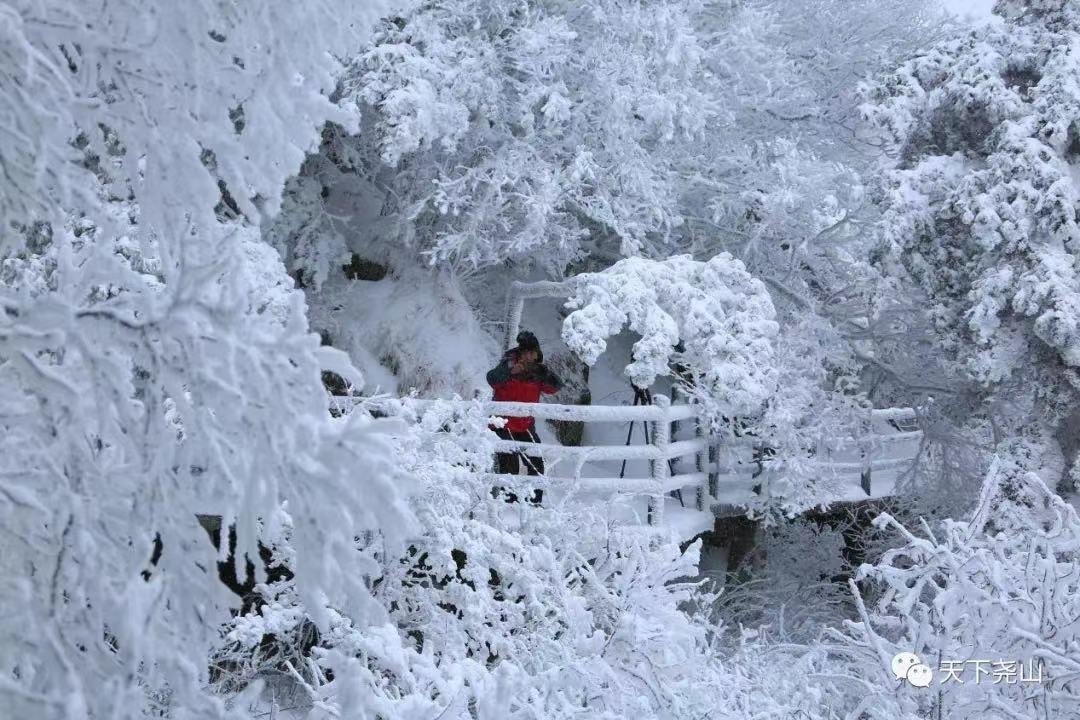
908	666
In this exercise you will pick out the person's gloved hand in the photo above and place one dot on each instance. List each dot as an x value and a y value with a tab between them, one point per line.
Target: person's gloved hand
539	372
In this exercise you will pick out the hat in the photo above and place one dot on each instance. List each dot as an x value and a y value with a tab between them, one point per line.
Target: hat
527	341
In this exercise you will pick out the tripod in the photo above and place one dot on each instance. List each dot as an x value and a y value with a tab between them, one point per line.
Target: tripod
643	396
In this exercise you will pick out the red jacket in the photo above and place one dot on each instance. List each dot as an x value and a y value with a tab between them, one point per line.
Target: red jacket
525	387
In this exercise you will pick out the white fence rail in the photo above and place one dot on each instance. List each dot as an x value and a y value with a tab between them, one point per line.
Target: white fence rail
551	411
727	472
659	452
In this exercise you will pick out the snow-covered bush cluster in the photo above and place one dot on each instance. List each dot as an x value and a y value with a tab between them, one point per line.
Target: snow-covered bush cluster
712	318
979	206
993	595
516	611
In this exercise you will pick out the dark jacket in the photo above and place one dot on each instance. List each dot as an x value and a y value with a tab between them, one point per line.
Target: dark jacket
523	387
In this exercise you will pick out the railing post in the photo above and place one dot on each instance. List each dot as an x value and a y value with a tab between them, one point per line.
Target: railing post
714	469
660	468
701	462
514	307
865	449
676	397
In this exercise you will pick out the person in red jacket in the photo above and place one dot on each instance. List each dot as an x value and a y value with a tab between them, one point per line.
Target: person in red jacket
521	376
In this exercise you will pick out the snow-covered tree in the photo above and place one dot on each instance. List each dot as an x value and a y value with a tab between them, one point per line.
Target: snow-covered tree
776	179
504	611
151	348
711	318
980	204
538	130
777	182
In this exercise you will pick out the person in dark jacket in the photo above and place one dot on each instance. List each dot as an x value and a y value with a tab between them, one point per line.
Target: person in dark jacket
521	376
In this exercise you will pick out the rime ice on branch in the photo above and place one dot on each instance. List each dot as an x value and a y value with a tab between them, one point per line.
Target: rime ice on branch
723	318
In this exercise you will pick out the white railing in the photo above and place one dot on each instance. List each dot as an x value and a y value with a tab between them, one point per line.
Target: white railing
549	411
520	292
659	452
723	472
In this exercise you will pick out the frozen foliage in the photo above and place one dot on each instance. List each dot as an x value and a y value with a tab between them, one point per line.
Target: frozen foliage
980	205
711	317
150	350
817	400
78	79
503	611
553	132
712	327
787	588
522	129
170	172
329	209
777	182
1001	586
411	330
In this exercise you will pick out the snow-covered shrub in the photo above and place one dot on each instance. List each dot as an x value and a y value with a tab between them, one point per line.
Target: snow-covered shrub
791	593
980	205
1000	587
711	317
508	610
